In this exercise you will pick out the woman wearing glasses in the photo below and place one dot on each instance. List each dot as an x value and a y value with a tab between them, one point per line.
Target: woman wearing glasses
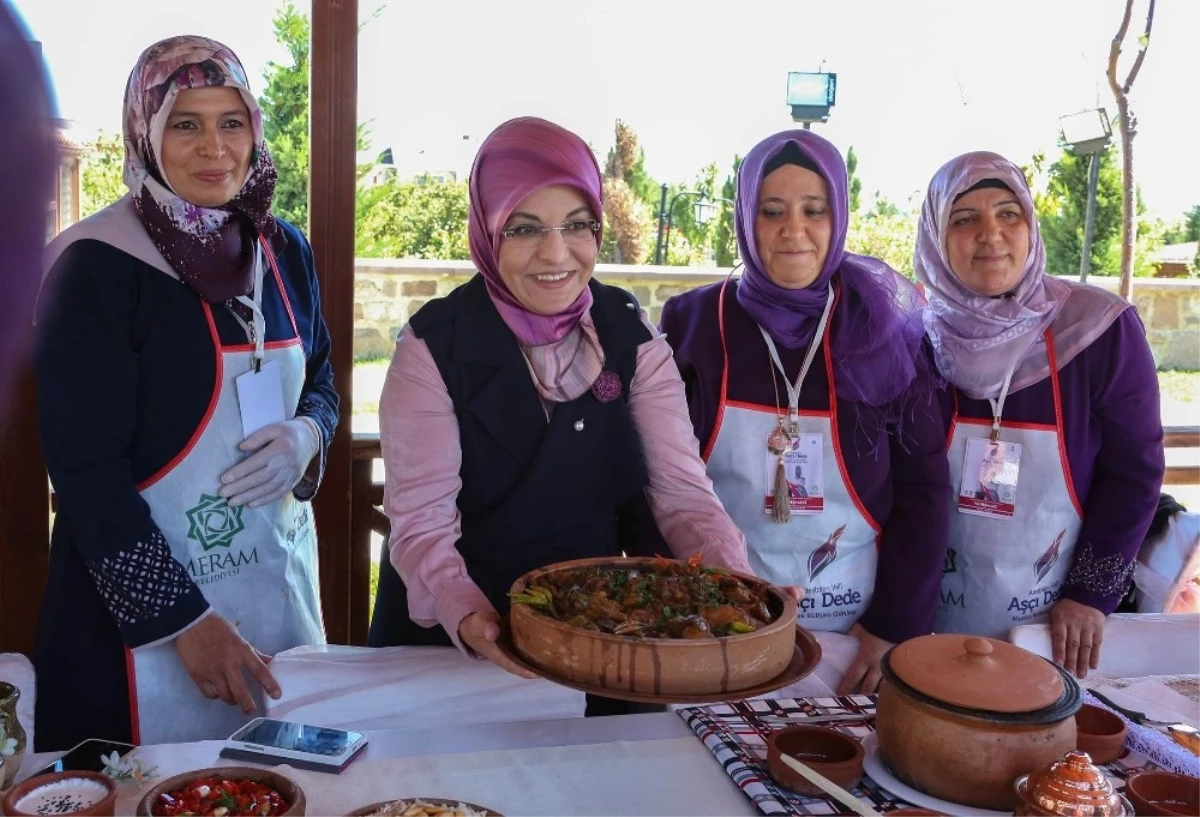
524	409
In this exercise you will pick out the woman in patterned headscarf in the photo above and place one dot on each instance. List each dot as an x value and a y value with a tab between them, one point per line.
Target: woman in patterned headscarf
185	403
524	409
1057	379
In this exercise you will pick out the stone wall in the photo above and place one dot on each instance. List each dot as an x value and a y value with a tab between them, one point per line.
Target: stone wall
388	291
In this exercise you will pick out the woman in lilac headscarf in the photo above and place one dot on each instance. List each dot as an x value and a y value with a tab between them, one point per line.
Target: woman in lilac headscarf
812	360
185	400
1059	377
524	409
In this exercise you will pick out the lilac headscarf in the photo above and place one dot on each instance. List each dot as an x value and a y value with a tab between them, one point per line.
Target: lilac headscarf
518	158
209	247
977	338
876	338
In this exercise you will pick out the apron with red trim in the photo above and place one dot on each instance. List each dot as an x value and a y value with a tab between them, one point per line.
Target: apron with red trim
257	567
1000	573
833	554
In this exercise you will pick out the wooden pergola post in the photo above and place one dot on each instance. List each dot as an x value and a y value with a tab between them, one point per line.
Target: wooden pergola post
333	122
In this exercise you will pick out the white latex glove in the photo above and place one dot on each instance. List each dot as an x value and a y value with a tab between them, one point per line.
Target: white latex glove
282	452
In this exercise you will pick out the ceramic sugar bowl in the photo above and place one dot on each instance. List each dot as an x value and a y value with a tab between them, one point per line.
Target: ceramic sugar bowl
1071	786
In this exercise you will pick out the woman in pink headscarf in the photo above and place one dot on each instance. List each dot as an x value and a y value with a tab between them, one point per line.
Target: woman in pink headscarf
1054	393
524	409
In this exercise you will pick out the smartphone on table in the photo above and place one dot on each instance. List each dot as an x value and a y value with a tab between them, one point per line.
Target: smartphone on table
319	748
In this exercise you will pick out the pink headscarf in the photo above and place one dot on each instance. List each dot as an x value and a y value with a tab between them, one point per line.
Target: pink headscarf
977	338
518	158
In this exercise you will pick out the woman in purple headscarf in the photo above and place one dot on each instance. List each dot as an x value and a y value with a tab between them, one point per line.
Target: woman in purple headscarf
524	409
1056	376
185	401
811	363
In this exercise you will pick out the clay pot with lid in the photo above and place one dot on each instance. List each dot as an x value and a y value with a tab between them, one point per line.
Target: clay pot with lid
962	717
1072	786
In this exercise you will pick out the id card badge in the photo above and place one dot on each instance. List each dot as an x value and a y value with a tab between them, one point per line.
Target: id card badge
260	397
989	478
802	467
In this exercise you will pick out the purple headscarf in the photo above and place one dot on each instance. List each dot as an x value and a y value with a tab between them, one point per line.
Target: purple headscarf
27	173
209	247
518	158
875	340
978	339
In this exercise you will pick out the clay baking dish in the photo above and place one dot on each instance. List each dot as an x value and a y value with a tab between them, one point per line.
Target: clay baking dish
1100	733
653	666
282	784
69	787
1163	793
828	752
962	717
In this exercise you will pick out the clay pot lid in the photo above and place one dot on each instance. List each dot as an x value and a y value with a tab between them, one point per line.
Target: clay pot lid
1072	786
977	673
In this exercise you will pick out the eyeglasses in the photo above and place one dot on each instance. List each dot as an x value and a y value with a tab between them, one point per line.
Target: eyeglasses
573	232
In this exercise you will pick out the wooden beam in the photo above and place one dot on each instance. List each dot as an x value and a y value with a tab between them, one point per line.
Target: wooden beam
332	179
24	515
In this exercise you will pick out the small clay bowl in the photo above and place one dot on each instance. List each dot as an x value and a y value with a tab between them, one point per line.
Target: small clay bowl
830	753
1163	793
65	786
1100	733
290	791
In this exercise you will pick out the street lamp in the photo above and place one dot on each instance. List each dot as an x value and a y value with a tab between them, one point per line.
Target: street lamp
703	211
810	96
1087	134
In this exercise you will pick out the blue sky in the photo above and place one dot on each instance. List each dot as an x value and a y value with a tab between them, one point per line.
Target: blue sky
918	81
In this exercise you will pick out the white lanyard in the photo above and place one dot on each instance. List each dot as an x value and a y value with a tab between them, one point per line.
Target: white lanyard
258	325
998	403
794	390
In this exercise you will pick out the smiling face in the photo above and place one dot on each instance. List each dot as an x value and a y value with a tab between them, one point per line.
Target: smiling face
546	272
793	226
987	240
207	145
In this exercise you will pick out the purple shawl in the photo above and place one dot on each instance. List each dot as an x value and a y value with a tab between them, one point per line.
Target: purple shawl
519	157
875	340
977	339
210	247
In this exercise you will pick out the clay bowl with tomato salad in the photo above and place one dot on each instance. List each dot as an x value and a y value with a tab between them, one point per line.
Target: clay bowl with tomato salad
240	790
627	662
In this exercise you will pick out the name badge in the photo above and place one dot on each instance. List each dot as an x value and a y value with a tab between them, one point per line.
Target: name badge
802	461
989	478
260	397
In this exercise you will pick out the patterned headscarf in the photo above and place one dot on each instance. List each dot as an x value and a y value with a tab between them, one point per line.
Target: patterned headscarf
978	339
209	247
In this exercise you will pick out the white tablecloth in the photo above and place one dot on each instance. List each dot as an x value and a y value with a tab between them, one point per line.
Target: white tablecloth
629	764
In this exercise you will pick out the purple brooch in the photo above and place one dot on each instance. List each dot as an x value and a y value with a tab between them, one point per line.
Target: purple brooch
607	387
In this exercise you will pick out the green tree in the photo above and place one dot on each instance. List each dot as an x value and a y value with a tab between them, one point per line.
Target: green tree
102	173
629	226
853	183
724	239
1186	229
284	104
886	232
1062	211
414	219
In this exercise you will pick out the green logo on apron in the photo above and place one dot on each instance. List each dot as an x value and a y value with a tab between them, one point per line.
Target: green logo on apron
948	564
213	523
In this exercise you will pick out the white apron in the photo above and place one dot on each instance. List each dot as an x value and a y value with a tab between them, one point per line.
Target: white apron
833	554
1003	572
257	567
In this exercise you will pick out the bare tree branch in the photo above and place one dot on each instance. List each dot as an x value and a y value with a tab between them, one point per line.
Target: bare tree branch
1144	42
